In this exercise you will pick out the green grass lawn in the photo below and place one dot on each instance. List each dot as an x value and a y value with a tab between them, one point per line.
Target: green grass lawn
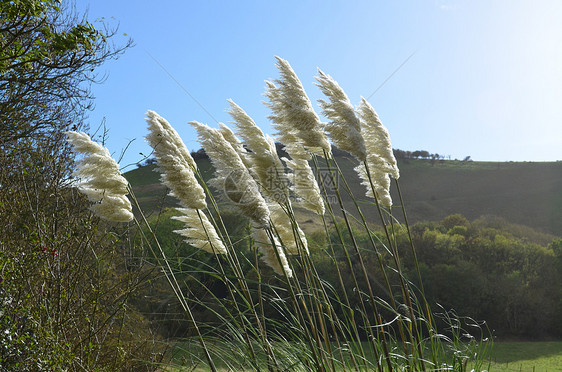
527	356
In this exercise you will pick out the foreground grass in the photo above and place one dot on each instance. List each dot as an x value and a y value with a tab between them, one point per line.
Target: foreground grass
506	356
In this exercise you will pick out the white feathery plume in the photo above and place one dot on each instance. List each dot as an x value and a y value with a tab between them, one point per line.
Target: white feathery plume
102	172
379	171
113	207
285	133
303	182
232	175
293	115
270	174
229	135
237	145
300	130
170	141
100	179
377	138
344	127
290	235
174	161
380	158
269	255
199	232
266	165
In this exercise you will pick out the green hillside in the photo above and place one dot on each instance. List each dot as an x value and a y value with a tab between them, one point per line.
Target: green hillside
521	192
151	193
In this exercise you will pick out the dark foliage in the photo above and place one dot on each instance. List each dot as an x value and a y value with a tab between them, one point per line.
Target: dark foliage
487	269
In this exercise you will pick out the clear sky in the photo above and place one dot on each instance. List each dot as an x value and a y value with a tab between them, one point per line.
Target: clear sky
479	78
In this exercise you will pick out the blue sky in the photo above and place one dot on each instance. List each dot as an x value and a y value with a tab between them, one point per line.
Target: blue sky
481	78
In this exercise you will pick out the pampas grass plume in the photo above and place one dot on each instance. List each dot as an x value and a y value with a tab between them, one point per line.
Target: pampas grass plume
377	138
199	232
271	251
237	145
232	175
344	127
304	183
174	162
266	165
293	115
100	179
291	236
380	158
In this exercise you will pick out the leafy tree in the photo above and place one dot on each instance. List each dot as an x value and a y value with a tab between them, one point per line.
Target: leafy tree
556	247
399	154
454	220
48	57
64	287
492	270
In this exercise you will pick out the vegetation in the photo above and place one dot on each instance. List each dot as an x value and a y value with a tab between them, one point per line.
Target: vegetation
234	277
505	356
285	302
490	269
48	57
522	193
487	269
65	283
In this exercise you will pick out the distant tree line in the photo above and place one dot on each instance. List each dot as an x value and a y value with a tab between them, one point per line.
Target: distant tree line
422	154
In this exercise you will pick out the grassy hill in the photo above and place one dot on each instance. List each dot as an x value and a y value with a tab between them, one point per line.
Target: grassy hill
524	193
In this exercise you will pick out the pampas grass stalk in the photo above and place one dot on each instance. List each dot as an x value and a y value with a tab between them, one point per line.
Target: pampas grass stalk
179	173
200	232
376	155
373	336
274	253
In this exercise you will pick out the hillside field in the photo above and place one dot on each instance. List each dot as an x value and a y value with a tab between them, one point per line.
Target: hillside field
525	193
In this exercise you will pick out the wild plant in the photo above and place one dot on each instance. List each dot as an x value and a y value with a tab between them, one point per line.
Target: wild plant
279	310
65	290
